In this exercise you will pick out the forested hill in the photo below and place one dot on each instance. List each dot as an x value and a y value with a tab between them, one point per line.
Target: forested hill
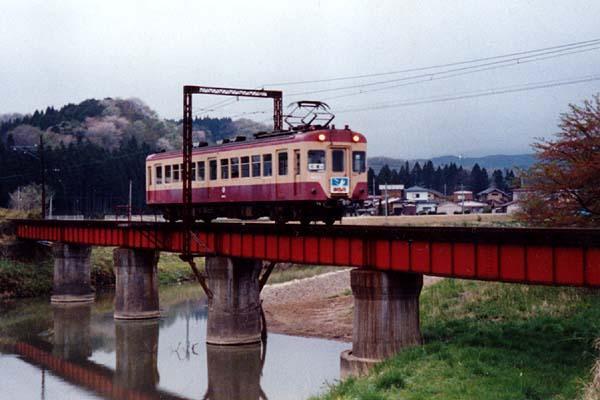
110	122
93	150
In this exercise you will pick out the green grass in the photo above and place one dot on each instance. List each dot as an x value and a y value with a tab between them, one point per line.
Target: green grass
170	268
491	341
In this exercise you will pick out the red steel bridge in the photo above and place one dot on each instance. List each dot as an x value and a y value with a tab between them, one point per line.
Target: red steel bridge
547	256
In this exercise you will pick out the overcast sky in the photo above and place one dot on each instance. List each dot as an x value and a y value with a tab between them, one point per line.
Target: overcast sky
56	52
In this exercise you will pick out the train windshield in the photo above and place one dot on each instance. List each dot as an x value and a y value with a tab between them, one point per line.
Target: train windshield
337	160
316	160
359	161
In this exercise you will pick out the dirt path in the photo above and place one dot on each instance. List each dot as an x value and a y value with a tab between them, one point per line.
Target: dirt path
320	306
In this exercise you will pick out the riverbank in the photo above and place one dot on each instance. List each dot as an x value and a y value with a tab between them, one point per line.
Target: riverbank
483	340
320	306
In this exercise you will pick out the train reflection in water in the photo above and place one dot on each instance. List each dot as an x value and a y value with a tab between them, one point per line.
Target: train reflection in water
80	352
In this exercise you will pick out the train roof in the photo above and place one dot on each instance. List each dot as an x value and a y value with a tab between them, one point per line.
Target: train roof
267	138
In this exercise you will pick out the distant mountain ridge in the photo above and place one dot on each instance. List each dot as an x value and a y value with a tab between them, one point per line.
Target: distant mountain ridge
496	161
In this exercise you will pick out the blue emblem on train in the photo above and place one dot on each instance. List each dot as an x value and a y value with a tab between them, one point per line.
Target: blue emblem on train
340	184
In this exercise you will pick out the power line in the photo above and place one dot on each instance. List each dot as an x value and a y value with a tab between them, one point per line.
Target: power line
452	64
488	92
73	167
435	78
432	75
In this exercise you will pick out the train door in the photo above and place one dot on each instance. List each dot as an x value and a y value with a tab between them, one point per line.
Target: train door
211	182
339	183
296	172
281	174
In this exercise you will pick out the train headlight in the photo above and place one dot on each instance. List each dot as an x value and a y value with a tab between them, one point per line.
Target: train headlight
322	137
355	138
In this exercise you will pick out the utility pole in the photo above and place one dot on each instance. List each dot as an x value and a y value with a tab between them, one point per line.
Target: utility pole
43	173
462	189
386	199
129	207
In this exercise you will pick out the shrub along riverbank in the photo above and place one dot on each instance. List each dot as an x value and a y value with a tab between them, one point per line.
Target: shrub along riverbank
487	340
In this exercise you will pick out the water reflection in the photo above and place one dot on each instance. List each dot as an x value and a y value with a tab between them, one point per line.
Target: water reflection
137	354
82	353
234	372
71	323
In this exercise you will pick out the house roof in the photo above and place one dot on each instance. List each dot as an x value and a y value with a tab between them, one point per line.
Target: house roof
490	190
417	189
471	204
422	189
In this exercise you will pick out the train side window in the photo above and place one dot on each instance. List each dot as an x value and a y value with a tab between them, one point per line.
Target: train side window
316	160
282	163
225	168
201	171
337	160
159	174
235	167
359	161
212	165
267	165
245	167
167	174
193	171
255	166
149	176
175	173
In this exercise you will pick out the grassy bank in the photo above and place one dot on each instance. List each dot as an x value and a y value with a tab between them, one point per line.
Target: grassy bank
24	279
491	341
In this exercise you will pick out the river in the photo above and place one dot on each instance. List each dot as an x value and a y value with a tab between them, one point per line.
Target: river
80	352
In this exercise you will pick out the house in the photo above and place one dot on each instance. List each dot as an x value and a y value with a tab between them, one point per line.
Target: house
392	190
519	194
493	196
473	207
426	207
508	208
462	195
418	194
449	208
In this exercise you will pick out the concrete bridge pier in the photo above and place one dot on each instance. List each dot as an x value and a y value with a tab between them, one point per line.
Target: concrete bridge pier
234	310
136	284
137	354
72	336
72	271
386	317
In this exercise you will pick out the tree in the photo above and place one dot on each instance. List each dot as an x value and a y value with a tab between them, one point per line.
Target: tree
27	198
565	181
498	179
478	179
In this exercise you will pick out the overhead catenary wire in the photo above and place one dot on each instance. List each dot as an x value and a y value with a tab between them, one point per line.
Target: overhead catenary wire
443	65
434	78
481	93
432	75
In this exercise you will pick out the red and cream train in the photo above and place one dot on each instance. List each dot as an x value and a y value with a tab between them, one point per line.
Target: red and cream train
305	175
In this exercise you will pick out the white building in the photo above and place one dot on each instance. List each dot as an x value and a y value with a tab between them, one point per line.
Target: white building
418	193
